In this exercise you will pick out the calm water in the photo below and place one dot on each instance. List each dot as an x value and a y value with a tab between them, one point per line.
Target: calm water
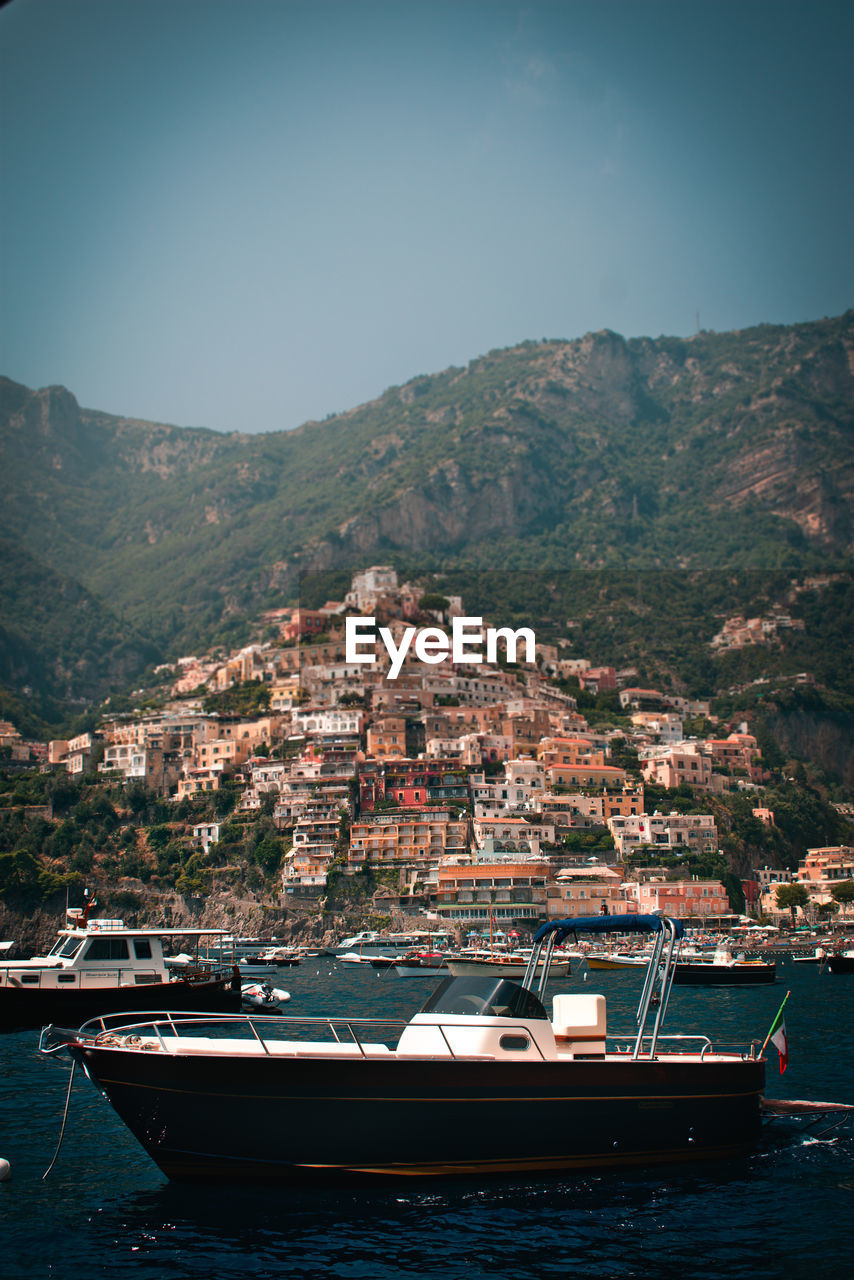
786	1210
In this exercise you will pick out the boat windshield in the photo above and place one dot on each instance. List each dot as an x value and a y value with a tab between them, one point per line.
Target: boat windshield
481	997
66	947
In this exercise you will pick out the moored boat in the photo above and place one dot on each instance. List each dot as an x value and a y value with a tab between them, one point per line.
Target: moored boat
612	961
724	970
102	966
483	1080
817	956
371	945
414	964
510	965
263	997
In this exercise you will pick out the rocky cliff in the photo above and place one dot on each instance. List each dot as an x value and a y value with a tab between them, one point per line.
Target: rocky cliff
719	450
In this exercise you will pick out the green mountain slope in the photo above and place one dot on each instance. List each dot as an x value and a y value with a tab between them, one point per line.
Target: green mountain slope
61	650
723	450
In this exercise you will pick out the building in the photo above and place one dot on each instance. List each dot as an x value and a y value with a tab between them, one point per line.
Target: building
513	835
406	839
700	900
491	891
598	679
592	889
371	585
674	831
659	726
206	834
386	738
304	622
737	754
676	766
412	783
823	868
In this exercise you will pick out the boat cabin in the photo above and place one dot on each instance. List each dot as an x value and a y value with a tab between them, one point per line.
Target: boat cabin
96	953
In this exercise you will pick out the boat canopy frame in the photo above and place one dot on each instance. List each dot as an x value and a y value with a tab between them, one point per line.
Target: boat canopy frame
660	971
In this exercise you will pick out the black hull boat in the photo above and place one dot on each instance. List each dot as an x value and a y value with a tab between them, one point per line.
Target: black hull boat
722	969
21	1008
482	1081
707	974
103	967
294	1119
841	962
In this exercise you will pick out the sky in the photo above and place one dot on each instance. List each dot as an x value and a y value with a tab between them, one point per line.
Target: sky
245	214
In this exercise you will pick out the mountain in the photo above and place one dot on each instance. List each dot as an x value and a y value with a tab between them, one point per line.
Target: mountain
731	450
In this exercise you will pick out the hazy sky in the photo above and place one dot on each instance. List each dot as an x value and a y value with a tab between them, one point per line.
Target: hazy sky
243	214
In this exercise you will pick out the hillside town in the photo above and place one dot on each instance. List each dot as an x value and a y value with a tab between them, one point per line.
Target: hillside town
475	791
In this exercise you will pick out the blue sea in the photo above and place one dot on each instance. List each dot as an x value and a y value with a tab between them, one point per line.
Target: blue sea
787	1210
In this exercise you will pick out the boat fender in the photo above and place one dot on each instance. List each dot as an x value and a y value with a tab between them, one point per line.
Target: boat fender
5	1170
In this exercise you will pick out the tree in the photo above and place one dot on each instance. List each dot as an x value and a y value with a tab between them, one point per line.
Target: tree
843	893
792	895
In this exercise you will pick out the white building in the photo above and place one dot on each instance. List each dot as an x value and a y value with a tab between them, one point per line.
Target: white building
695	831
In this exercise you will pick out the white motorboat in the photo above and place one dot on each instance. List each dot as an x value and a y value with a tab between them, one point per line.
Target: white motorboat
103	966
261	997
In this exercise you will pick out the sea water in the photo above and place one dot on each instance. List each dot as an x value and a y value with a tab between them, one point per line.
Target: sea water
783	1211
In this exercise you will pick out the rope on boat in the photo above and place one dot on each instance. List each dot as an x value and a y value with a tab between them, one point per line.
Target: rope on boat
64	1119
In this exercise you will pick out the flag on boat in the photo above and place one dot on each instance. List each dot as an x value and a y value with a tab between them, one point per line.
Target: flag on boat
777	1036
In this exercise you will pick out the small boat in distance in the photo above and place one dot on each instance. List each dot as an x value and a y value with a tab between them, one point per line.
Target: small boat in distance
723	969
415	964
370	945
612	961
818	956
483	1080
262	997
508	965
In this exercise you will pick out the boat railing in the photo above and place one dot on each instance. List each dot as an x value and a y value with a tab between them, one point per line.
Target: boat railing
150	1030
163	1026
155	1030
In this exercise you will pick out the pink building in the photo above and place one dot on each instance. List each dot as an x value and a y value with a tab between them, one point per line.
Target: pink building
683	899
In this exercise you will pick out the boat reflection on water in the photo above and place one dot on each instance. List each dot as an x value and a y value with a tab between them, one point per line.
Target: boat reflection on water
482	1080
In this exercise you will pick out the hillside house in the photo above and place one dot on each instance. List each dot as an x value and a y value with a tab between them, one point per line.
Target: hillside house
416	839
702	901
491	891
671	831
674	766
593	889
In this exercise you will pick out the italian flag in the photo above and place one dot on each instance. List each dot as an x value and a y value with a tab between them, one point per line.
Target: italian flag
777	1036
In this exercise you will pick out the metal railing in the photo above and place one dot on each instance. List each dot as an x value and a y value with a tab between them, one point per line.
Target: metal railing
363	1033
162	1027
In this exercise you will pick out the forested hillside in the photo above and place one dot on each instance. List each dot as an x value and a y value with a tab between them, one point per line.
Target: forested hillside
720	451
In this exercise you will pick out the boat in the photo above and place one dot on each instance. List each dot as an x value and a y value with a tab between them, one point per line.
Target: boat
272	958
723	969
263	997
818	956
103	966
611	961
509	965
483	1080
371	945
841	962
416	964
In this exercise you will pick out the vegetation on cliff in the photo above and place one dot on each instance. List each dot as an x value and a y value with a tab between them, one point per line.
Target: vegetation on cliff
719	450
